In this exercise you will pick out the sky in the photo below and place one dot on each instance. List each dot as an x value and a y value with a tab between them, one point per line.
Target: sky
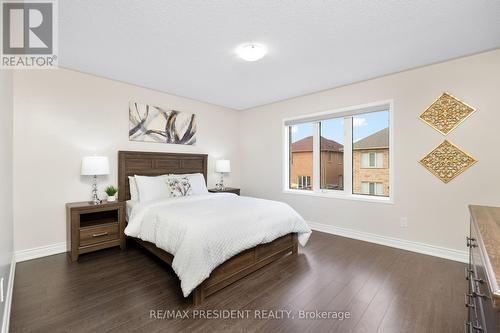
333	129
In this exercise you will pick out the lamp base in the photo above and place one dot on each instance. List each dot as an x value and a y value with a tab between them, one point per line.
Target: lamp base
220	185
95	198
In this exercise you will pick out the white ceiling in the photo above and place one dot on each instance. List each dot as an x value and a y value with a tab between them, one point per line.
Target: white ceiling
186	47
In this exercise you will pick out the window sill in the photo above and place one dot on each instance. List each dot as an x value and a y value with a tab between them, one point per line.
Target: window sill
340	195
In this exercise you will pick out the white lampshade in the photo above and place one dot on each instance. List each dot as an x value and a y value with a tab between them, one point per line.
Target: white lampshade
95	166
222	166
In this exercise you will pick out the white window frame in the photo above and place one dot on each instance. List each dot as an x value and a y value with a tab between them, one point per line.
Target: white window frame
346	193
303	180
376	154
375	185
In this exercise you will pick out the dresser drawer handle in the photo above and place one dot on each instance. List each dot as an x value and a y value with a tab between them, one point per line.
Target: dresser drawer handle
467	304
471	328
476	294
100	234
468	273
468	276
470	242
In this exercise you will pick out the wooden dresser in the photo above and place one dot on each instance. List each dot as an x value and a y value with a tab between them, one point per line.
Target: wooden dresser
483	272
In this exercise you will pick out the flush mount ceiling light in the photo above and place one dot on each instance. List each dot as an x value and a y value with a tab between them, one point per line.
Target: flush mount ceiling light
251	51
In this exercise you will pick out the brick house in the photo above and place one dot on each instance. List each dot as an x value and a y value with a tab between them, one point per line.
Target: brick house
301	164
371	164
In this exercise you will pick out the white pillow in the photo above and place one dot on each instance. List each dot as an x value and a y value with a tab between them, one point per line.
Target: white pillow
134	192
152	188
198	185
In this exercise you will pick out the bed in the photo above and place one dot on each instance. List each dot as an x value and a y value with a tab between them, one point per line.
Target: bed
194	279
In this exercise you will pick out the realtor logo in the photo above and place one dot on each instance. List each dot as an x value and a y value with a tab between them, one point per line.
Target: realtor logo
29	34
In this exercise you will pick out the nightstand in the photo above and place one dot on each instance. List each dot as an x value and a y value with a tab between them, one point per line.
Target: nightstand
92	227
226	190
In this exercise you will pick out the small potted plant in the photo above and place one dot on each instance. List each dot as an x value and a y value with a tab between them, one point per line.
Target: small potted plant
111	192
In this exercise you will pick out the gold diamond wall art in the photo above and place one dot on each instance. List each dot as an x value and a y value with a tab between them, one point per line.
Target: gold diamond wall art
446	113
447	161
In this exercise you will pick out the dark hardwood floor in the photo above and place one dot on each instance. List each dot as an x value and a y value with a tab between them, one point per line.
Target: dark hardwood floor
384	289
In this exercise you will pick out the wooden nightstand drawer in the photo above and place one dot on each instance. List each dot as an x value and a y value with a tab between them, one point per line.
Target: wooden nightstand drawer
226	190
99	234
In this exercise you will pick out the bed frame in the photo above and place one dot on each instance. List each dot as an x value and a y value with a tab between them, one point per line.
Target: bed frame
132	163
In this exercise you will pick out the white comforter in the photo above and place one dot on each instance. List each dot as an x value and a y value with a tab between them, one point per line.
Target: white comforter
203	231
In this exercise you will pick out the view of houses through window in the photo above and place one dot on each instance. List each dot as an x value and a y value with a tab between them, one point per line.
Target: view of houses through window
332	154
301	157
370	155
369	148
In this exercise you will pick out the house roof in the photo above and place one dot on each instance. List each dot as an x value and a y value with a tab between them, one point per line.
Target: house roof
378	139
306	144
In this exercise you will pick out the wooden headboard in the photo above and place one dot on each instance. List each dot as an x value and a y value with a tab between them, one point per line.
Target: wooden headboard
132	163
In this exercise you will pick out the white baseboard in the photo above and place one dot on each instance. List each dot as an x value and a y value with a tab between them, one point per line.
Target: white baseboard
436	251
433	250
8	296
42	251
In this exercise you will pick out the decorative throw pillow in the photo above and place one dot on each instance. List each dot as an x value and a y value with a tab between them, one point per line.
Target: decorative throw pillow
179	186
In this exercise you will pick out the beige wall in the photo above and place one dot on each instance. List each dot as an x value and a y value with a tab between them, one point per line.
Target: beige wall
6	213
62	115
437	213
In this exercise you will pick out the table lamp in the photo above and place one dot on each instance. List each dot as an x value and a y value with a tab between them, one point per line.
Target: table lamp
222	166
95	166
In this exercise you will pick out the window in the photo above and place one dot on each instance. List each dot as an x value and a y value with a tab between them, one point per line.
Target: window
332	153
372	188
300	156
304	182
345	153
372	160
370	135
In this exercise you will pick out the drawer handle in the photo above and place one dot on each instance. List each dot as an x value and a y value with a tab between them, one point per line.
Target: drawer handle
100	234
479	294
468	276
470	327
467	304
470	241
476	294
468	273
